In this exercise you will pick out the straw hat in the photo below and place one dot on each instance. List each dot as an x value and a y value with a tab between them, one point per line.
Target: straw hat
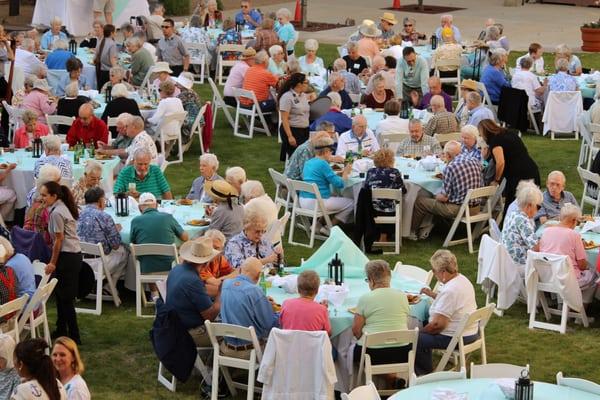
147	199
41	84
161	66
220	190
389	17
183	81
369	29
469	84
248	53
198	251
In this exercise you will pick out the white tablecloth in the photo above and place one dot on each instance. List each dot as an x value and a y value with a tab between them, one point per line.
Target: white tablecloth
77	15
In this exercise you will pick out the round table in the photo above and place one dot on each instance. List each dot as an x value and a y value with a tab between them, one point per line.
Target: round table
487	389
591	254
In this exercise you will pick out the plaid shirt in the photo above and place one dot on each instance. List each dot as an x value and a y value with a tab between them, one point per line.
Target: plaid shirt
441	122
461	174
408	147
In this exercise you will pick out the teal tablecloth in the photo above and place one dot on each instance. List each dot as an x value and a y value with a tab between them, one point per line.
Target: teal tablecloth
487	389
592	254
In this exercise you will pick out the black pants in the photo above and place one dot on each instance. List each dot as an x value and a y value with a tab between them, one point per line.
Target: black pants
230	101
67	273
301	136
4	117
177	69
386	355
101	78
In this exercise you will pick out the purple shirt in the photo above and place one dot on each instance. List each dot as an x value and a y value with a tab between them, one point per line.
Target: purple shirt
427	99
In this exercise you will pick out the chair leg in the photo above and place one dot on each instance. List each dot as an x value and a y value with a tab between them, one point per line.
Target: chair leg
228	381
469	236
564	317
138	298
313	232
251	379
214	390
545	307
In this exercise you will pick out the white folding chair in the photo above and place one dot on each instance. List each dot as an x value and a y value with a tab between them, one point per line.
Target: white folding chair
199	59
531	115
249	112
591	194
486	101
276	230
557	104
14	119
542	278
392	140
578	383
444	138
495	232
496	371
216	331
138	250
10	312
168	138
449	65
219	103
281	184
29	320
464	215
146	81
457	347
59	120
498	201
413	272
197	127
438	377
316	212
366	392
396	219
99	265
221	63
390	339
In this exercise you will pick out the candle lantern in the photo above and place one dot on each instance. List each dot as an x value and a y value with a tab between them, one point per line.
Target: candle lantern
524	387
108	93
73	46
36	148
336	270
434	42
122	200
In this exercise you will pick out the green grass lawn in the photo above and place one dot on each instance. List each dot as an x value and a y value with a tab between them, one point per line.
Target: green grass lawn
121	363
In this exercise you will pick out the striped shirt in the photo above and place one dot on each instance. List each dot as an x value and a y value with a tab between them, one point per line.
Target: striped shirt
258	79
461	174
154	182
63	163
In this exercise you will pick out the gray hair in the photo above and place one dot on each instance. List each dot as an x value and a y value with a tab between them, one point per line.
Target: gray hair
336	99
235	174
340	64
293	65
333	77
562	64
474	97
72	89
92	166
492	33
437	101
311	44
136	121
117	71
452	147
252	189
378	78
558	174
134	41
51	143
308	283
60	44
255	215
275	49
352	45
526	62
496	57
210	159
470	130
30	80
119	90
28	44
378	272
415	121
284	12
28	116
56	21
261	57
409	19
322	143
569	211
326	125
124	118
444	260
48	173
141	152
37	69
529	194
563	50
215	234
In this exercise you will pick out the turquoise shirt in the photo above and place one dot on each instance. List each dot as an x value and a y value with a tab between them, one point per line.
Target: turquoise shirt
318	171
286	33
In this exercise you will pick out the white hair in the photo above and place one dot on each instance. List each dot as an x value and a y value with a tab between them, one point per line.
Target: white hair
136	121
28	44
255	214
210	159
252	189
56	21
558	174
569	211
48	173
92	166
336	99
529	194
311	44
352	45
72	89
452	147
60	44
124	118
117	71
51	143
334	76
7	349
141	152
562	64
235	174
215	234
134	41
470	130
284	12
275	49
340	64
261	57
119	90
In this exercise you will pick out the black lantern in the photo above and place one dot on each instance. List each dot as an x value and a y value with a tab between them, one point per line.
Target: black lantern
404	110
122	200
336	270
434	42
108	93
524	387
36	148
73	46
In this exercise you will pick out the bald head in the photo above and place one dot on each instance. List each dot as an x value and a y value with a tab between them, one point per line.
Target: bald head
452	149
86	113
252	267
435	85
437	103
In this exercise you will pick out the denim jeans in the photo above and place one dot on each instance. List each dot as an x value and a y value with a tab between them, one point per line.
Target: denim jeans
427	342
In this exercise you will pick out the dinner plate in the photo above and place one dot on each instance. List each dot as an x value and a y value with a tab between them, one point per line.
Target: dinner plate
198	222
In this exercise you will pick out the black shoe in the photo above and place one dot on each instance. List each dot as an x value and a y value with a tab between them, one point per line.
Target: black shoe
223	393
56	334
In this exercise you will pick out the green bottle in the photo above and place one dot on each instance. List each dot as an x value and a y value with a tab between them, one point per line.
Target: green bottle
263	282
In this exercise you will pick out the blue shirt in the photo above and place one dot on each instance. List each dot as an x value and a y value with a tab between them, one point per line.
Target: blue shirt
197	189
341	121
239	247
562	82
475	152
243	303
478	114
187	295
287	33
255	15
59	90
48	39
63	163
318	171
24	273
494	80
96	226
455	30
58	59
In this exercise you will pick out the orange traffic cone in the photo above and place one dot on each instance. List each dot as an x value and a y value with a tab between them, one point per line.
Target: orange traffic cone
396	5
298	12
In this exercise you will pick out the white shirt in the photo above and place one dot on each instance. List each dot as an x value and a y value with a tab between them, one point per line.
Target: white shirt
142	140
167	106
349	142
538	65
32	390
527	81
455	299
151	49
77	389
235	78
392	124
27	61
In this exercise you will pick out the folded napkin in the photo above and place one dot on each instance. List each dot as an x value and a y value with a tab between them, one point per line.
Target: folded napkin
447	394
362	165
289	283
430	162
591	226
336	295
89	93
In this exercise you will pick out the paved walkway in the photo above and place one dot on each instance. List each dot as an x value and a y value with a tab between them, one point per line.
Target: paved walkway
547	24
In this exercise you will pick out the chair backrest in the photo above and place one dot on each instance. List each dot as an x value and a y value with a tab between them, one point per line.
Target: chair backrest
484	192
280	182
587	177
240	93
498	370
217	330
41	295
146	80
112	121
444	138
59	120
276	229
14	306
14	113
543	265
216	93
578	383
486	101
386	194
154	249
199	118
234	48
366	392
438	377
300	186
495	232
413	272
450	64
319	107
198	52
92	249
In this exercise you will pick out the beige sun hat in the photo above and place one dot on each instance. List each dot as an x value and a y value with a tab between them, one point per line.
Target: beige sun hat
161	66
369	29
220	190
184	81
248	53
41	84
469	84
198	251
389	17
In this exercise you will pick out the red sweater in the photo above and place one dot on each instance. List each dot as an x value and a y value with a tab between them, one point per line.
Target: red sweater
94	132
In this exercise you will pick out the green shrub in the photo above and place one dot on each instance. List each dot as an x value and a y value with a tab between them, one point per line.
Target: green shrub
177	7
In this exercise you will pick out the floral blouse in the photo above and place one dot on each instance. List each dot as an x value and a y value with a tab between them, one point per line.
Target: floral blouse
518	235
230	36
384	178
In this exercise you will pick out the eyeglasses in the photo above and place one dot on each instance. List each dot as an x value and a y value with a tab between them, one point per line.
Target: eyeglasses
407	25
244	6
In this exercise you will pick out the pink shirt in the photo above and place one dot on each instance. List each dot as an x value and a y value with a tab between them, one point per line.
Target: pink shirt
565	242
23	139
37	101
235	78
304	315
367	47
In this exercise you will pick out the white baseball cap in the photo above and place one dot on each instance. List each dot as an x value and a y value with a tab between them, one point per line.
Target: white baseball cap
147	199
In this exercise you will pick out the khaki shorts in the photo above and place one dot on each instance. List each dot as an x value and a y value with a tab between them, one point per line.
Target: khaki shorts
106	6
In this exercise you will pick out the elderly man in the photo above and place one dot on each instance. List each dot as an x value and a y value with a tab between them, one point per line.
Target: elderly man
435	89
341	122
412	75
461	174
249	17
57	59
155	21
122	141
386	25
379	66
53	34
352	81
141	60
555	197
25	58
418	144
443	121
446	22
139	139
562	81
337	84
209	164
477	111
52	155
260	80
187	292
360	139
526	80
355	62
535	52
96	226
305	152
87	128
243	303
142	176
171	50
235	79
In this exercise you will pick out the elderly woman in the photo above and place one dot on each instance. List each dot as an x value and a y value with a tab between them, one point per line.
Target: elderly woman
285	29
469	135
510	155
226	214
91	178
212	17
168	105
493	76
36	218
562	239
336	85
163	74
253	191
448	50
106	55
218	269
562	81
277	64
318	171
304	313
191	104
236	176
19	95
120	103
555	197
265	36
492	37
38	100
380	95
53	34
116	76
409	33
74	68
450	304
229	36
309	63
462	111
564	52
30	130
53	155
381	309
250	242
518	233
355	62
69	367
295	111
209	164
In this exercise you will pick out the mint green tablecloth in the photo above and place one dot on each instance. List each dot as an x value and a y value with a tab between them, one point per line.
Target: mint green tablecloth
487	389
592	254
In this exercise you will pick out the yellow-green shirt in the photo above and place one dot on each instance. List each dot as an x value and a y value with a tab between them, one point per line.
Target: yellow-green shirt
384	309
